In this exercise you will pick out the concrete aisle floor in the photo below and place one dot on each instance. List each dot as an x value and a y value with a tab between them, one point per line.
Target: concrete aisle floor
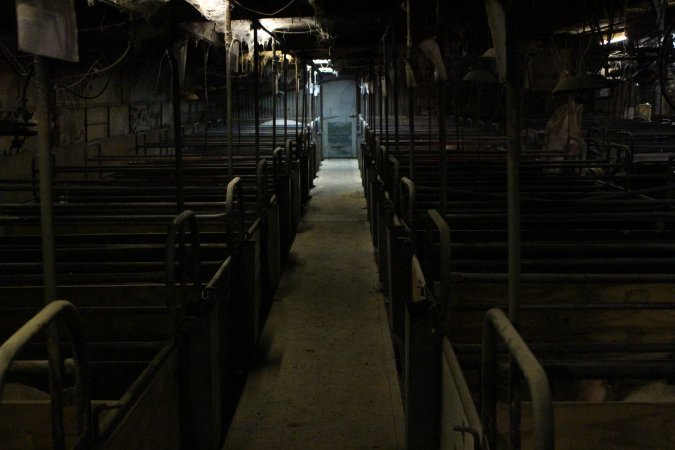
326	378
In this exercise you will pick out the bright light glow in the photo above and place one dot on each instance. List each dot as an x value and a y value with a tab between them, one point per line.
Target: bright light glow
328	70
213	10
322	62
289	23
619	37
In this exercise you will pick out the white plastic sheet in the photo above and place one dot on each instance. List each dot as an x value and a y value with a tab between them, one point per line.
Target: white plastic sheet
48	28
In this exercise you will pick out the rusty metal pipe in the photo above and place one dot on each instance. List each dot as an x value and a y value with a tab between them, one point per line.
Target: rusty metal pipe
496	324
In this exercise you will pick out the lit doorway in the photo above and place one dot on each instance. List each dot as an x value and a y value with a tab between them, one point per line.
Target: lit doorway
339	118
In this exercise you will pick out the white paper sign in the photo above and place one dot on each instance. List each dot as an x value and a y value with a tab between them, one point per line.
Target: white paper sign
48	28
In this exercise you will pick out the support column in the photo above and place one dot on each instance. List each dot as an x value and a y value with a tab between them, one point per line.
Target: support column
297	100
274	95
411	92
177	126
228	75
395	89
441	114
285	69
385	85
256	89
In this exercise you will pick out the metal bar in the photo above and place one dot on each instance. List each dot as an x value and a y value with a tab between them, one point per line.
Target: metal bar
497	324
385	84
305	82
474	426
177	127
48	252
228	75
176	237
256	93
274	96
395	89
380	104
297	100
285	68
408	187
47	319
46	177
411	96
437	221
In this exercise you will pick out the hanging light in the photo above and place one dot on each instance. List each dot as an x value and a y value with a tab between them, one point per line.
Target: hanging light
480	77
432	51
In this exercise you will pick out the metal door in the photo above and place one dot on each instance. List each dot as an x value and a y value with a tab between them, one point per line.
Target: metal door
339	118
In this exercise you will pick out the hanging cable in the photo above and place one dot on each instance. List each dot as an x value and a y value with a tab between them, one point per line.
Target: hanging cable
87	97
91	71
260	12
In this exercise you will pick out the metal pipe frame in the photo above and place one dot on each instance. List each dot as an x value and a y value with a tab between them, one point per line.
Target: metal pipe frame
438	222
52	314
176	237
234	188
274	95
495	325
408	192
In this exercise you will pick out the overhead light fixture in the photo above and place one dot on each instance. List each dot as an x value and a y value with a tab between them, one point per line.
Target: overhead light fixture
489	53
327	70
480	77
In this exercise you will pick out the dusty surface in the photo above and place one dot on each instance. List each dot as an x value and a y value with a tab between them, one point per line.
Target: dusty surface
326	378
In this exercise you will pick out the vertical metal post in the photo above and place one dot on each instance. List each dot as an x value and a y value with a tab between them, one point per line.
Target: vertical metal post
274	95
505	37
514	219
285	69
48	251
228	75
256	94
177	127
395	88
411	94
46	196
380	103
323	149
385	84
441	115
297	100
304	98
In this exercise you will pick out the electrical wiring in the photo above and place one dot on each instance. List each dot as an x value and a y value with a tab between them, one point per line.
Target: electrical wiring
263	13
159	71
13	61
92	71
88	97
